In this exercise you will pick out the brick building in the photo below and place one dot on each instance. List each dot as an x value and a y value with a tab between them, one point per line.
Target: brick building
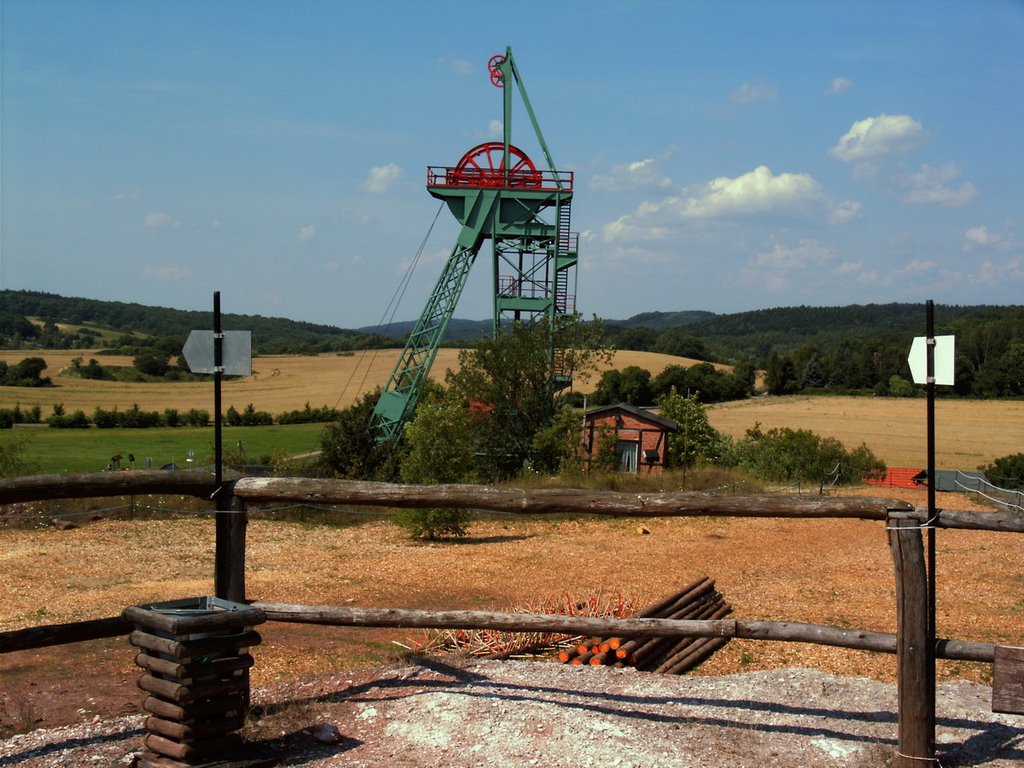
640	437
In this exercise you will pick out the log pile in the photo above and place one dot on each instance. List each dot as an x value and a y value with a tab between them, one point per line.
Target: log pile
670	656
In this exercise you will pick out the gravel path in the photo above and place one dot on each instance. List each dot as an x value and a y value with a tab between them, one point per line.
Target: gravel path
487	713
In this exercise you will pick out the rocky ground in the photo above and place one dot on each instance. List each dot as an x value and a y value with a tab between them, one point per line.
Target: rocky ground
445	712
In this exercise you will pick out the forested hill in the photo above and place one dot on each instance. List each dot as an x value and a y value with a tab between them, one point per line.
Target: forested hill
755	334
78	319
852	348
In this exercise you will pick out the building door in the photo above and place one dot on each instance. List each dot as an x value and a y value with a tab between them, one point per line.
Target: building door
628	451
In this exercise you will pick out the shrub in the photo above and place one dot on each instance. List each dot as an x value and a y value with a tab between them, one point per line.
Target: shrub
433	523
787	455
249	417
76	420
1006	471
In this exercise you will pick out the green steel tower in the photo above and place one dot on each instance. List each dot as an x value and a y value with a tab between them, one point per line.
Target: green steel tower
498	194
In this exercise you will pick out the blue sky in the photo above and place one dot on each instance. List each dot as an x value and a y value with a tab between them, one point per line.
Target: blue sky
727	156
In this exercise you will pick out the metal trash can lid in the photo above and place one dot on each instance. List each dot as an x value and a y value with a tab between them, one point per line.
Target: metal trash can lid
194	614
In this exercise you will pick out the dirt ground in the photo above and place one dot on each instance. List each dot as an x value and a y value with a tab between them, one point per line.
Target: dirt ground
830	572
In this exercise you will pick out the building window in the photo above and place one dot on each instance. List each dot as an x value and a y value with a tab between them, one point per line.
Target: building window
628	451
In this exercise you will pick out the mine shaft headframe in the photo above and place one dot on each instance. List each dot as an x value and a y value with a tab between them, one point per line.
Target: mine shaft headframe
503	71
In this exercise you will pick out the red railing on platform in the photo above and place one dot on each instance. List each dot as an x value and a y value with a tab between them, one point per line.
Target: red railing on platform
466	178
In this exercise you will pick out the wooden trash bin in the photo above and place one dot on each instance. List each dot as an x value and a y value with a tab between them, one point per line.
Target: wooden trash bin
195	653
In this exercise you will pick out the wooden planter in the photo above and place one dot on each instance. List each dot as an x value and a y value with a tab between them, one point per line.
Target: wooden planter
195	653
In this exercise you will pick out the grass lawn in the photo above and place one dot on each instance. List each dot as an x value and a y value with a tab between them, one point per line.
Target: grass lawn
90	450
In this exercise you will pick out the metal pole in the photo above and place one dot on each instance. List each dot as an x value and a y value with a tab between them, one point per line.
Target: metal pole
222	555
930	352
218	370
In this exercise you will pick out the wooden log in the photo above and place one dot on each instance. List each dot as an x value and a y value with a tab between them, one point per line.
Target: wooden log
229	549
567	654
647	654
195	621
655	609
599	659
697	655
718	610
185	650
227	706
195	731
185	694
185	672
916	703
1008	681
61	634
582	659
221	745
686	647
678	610
561	500
794	632
96	484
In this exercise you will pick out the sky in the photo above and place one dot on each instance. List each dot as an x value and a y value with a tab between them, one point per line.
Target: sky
727	156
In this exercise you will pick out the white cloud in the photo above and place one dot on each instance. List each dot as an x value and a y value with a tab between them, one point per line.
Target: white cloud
840	84
992	274
841	213
160	220
877	136
755	192
749	93
931	186
127	194
807	254
496	128
382	177
456	64
642	174
980	237
627	228
306	232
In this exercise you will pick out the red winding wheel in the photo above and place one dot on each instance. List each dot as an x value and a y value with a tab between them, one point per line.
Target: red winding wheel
494	67
484	166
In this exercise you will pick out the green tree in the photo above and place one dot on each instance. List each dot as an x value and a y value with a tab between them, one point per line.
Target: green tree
780	376
556	448
439	449
696	441
349	450
13	462
508	380
674	341
152	363
1006	471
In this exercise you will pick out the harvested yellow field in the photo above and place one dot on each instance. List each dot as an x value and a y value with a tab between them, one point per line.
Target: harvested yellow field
968	433
279	382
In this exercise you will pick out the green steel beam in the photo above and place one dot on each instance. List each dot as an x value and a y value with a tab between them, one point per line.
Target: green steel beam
405	384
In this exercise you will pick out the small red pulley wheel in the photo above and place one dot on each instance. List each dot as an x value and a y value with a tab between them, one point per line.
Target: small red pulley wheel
494	67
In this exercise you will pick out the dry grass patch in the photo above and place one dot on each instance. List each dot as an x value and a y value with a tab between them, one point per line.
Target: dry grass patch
279	382
820	571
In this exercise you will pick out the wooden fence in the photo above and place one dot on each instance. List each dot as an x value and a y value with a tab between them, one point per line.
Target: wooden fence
915	651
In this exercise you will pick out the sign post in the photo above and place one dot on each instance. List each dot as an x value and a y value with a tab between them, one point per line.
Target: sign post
219	352
932	361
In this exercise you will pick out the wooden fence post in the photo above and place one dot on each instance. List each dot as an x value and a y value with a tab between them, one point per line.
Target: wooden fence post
229	565
916	700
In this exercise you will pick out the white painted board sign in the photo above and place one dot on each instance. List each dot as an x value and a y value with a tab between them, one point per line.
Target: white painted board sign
945	360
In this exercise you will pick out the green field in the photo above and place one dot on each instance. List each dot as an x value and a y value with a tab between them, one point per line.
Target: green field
90	450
